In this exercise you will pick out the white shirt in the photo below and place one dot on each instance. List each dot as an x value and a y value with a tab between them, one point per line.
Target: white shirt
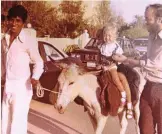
23	51
109	49
153	64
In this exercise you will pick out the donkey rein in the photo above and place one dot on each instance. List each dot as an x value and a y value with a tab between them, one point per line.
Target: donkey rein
40	91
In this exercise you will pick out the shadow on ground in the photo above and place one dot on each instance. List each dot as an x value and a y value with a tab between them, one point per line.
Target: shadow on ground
47	123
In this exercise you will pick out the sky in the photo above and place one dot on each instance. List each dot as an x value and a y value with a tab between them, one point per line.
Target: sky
129	8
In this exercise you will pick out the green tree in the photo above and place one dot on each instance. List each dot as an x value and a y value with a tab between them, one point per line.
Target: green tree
123	28
5	5
42	16
135	32
136	29
104	13
71	22
119	21
139	21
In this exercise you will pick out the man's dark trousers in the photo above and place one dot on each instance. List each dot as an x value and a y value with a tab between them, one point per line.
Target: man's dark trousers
151	108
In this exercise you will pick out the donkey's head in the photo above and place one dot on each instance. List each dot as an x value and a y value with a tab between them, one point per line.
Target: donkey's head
68	89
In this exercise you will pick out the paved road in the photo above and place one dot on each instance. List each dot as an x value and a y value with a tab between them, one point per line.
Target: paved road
44	119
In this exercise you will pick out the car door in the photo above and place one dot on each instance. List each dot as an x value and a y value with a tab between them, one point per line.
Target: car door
51	72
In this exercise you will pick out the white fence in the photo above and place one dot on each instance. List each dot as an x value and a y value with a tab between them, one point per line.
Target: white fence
62	43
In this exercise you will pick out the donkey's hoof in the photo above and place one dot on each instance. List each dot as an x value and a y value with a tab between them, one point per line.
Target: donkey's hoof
55	106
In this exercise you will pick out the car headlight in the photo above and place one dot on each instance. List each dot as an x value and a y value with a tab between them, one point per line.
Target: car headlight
73	55
78	56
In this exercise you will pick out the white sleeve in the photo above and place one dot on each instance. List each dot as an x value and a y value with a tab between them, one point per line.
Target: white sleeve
35	58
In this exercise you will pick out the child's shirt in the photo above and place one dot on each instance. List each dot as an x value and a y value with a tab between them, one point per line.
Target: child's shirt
109	49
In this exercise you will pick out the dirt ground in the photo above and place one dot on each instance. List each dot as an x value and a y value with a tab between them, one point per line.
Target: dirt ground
44	119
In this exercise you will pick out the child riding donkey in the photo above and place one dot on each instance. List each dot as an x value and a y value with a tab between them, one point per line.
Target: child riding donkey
107	49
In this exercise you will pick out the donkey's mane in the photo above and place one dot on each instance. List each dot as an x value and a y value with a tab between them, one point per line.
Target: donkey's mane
79	69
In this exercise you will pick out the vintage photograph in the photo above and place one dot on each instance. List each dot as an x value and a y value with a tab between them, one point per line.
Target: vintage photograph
81	67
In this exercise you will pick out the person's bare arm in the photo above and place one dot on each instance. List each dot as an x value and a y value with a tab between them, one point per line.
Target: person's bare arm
126	60
133	62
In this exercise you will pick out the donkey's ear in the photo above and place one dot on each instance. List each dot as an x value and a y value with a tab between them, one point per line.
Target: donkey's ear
61	65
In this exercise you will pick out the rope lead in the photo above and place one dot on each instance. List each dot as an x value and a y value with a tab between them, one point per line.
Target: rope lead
40	91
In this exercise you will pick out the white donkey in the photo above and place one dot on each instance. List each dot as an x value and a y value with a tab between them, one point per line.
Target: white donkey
73	84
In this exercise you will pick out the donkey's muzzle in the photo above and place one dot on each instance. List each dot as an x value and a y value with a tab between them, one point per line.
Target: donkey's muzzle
60	109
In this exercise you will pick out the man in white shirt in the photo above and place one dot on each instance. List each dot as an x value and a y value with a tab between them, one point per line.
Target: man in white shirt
20	50
151	98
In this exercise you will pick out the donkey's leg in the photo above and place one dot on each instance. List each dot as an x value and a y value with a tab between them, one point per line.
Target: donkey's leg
93	121
90	109
101	121
123	122
137	115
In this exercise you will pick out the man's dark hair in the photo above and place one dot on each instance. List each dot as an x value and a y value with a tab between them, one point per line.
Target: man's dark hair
156	7
18	11
159	12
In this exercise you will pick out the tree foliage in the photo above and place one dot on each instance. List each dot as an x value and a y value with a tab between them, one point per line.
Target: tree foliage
42	16
71	22
103	13
119	21
136	29
135	32
139	21
67	20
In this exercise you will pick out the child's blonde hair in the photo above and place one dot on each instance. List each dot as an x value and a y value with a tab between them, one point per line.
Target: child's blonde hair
112	29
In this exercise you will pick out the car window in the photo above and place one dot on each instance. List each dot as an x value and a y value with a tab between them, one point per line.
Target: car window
91	43
94	43
140	42
50	51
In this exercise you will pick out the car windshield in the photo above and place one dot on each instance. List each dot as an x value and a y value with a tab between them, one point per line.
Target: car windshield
94	43
54	54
